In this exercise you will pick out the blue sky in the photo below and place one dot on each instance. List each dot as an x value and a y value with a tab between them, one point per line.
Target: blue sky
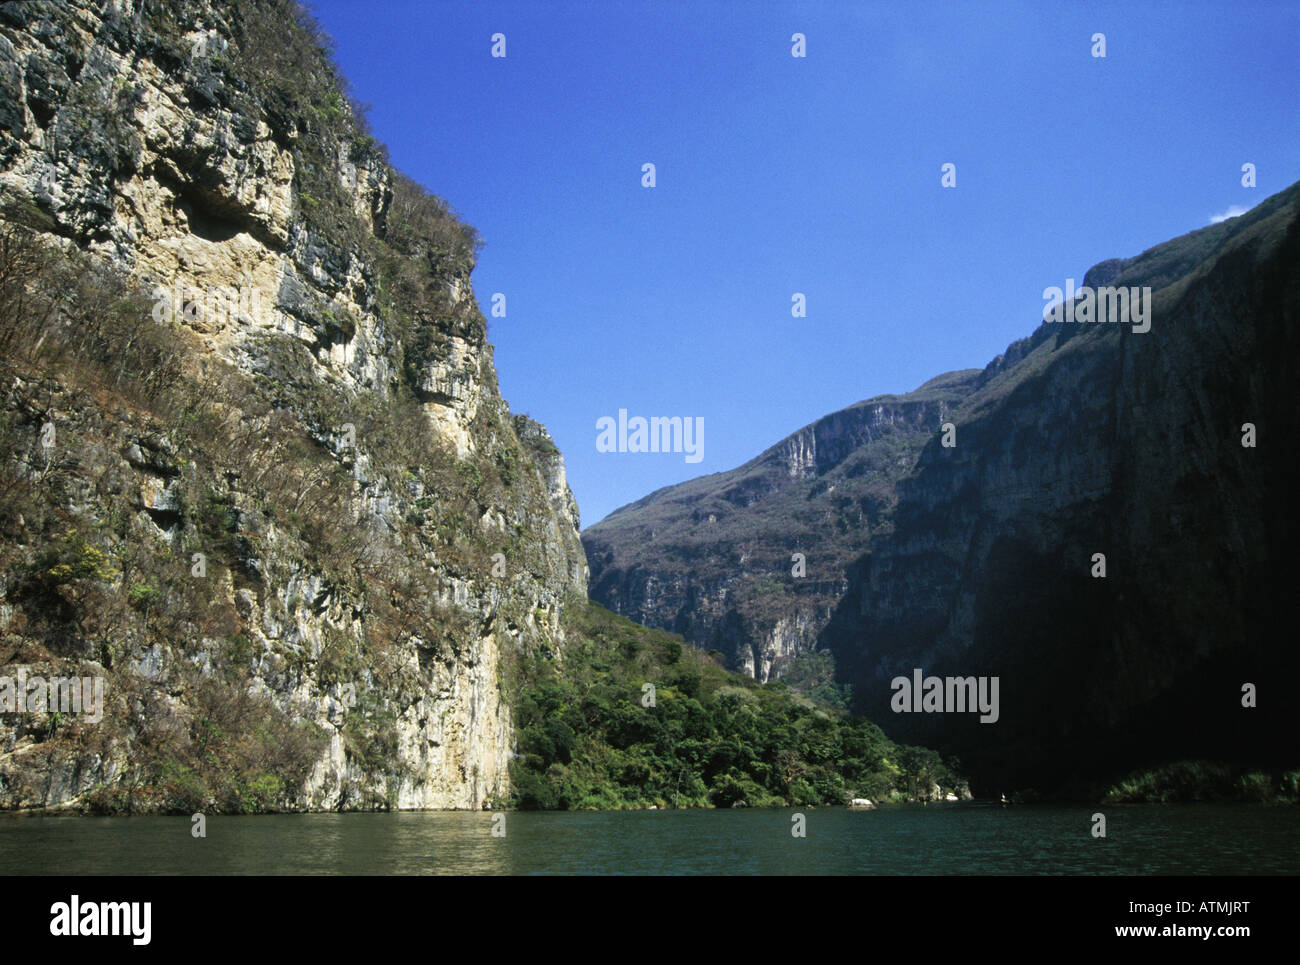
818	175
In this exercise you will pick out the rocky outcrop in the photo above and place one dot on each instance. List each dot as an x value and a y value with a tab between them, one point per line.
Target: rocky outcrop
379	535
538	442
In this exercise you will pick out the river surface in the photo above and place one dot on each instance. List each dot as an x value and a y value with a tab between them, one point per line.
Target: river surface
961	839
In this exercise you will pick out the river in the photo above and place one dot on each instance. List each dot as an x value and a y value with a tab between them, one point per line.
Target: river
961	839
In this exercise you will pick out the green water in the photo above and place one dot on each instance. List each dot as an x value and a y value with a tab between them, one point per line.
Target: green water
953	839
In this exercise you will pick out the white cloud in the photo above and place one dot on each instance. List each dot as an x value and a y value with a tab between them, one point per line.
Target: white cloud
1233	211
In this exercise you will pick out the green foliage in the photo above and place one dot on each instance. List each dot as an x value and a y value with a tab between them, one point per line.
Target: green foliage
142	596
73	559
711	738
421	225
239	649
261	792
1201	780
813	674
507	462
471	474
370	734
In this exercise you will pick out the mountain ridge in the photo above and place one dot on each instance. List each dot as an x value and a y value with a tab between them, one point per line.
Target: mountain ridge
908	586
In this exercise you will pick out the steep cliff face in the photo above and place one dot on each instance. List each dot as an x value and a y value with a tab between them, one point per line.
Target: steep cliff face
1099	440
715	558
282	508
977	559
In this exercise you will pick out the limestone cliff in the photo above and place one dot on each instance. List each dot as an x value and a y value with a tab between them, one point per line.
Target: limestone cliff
282	508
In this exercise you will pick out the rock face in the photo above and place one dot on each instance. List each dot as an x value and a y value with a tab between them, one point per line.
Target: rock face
1081	439
379	535
1099	440
715	558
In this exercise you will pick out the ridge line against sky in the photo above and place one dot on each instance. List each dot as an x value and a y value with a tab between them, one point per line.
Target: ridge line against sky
818	175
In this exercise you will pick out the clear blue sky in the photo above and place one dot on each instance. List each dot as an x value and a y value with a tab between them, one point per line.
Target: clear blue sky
818	175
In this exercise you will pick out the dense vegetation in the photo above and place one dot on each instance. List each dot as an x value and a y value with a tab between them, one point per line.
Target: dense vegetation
710	738
1184	782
